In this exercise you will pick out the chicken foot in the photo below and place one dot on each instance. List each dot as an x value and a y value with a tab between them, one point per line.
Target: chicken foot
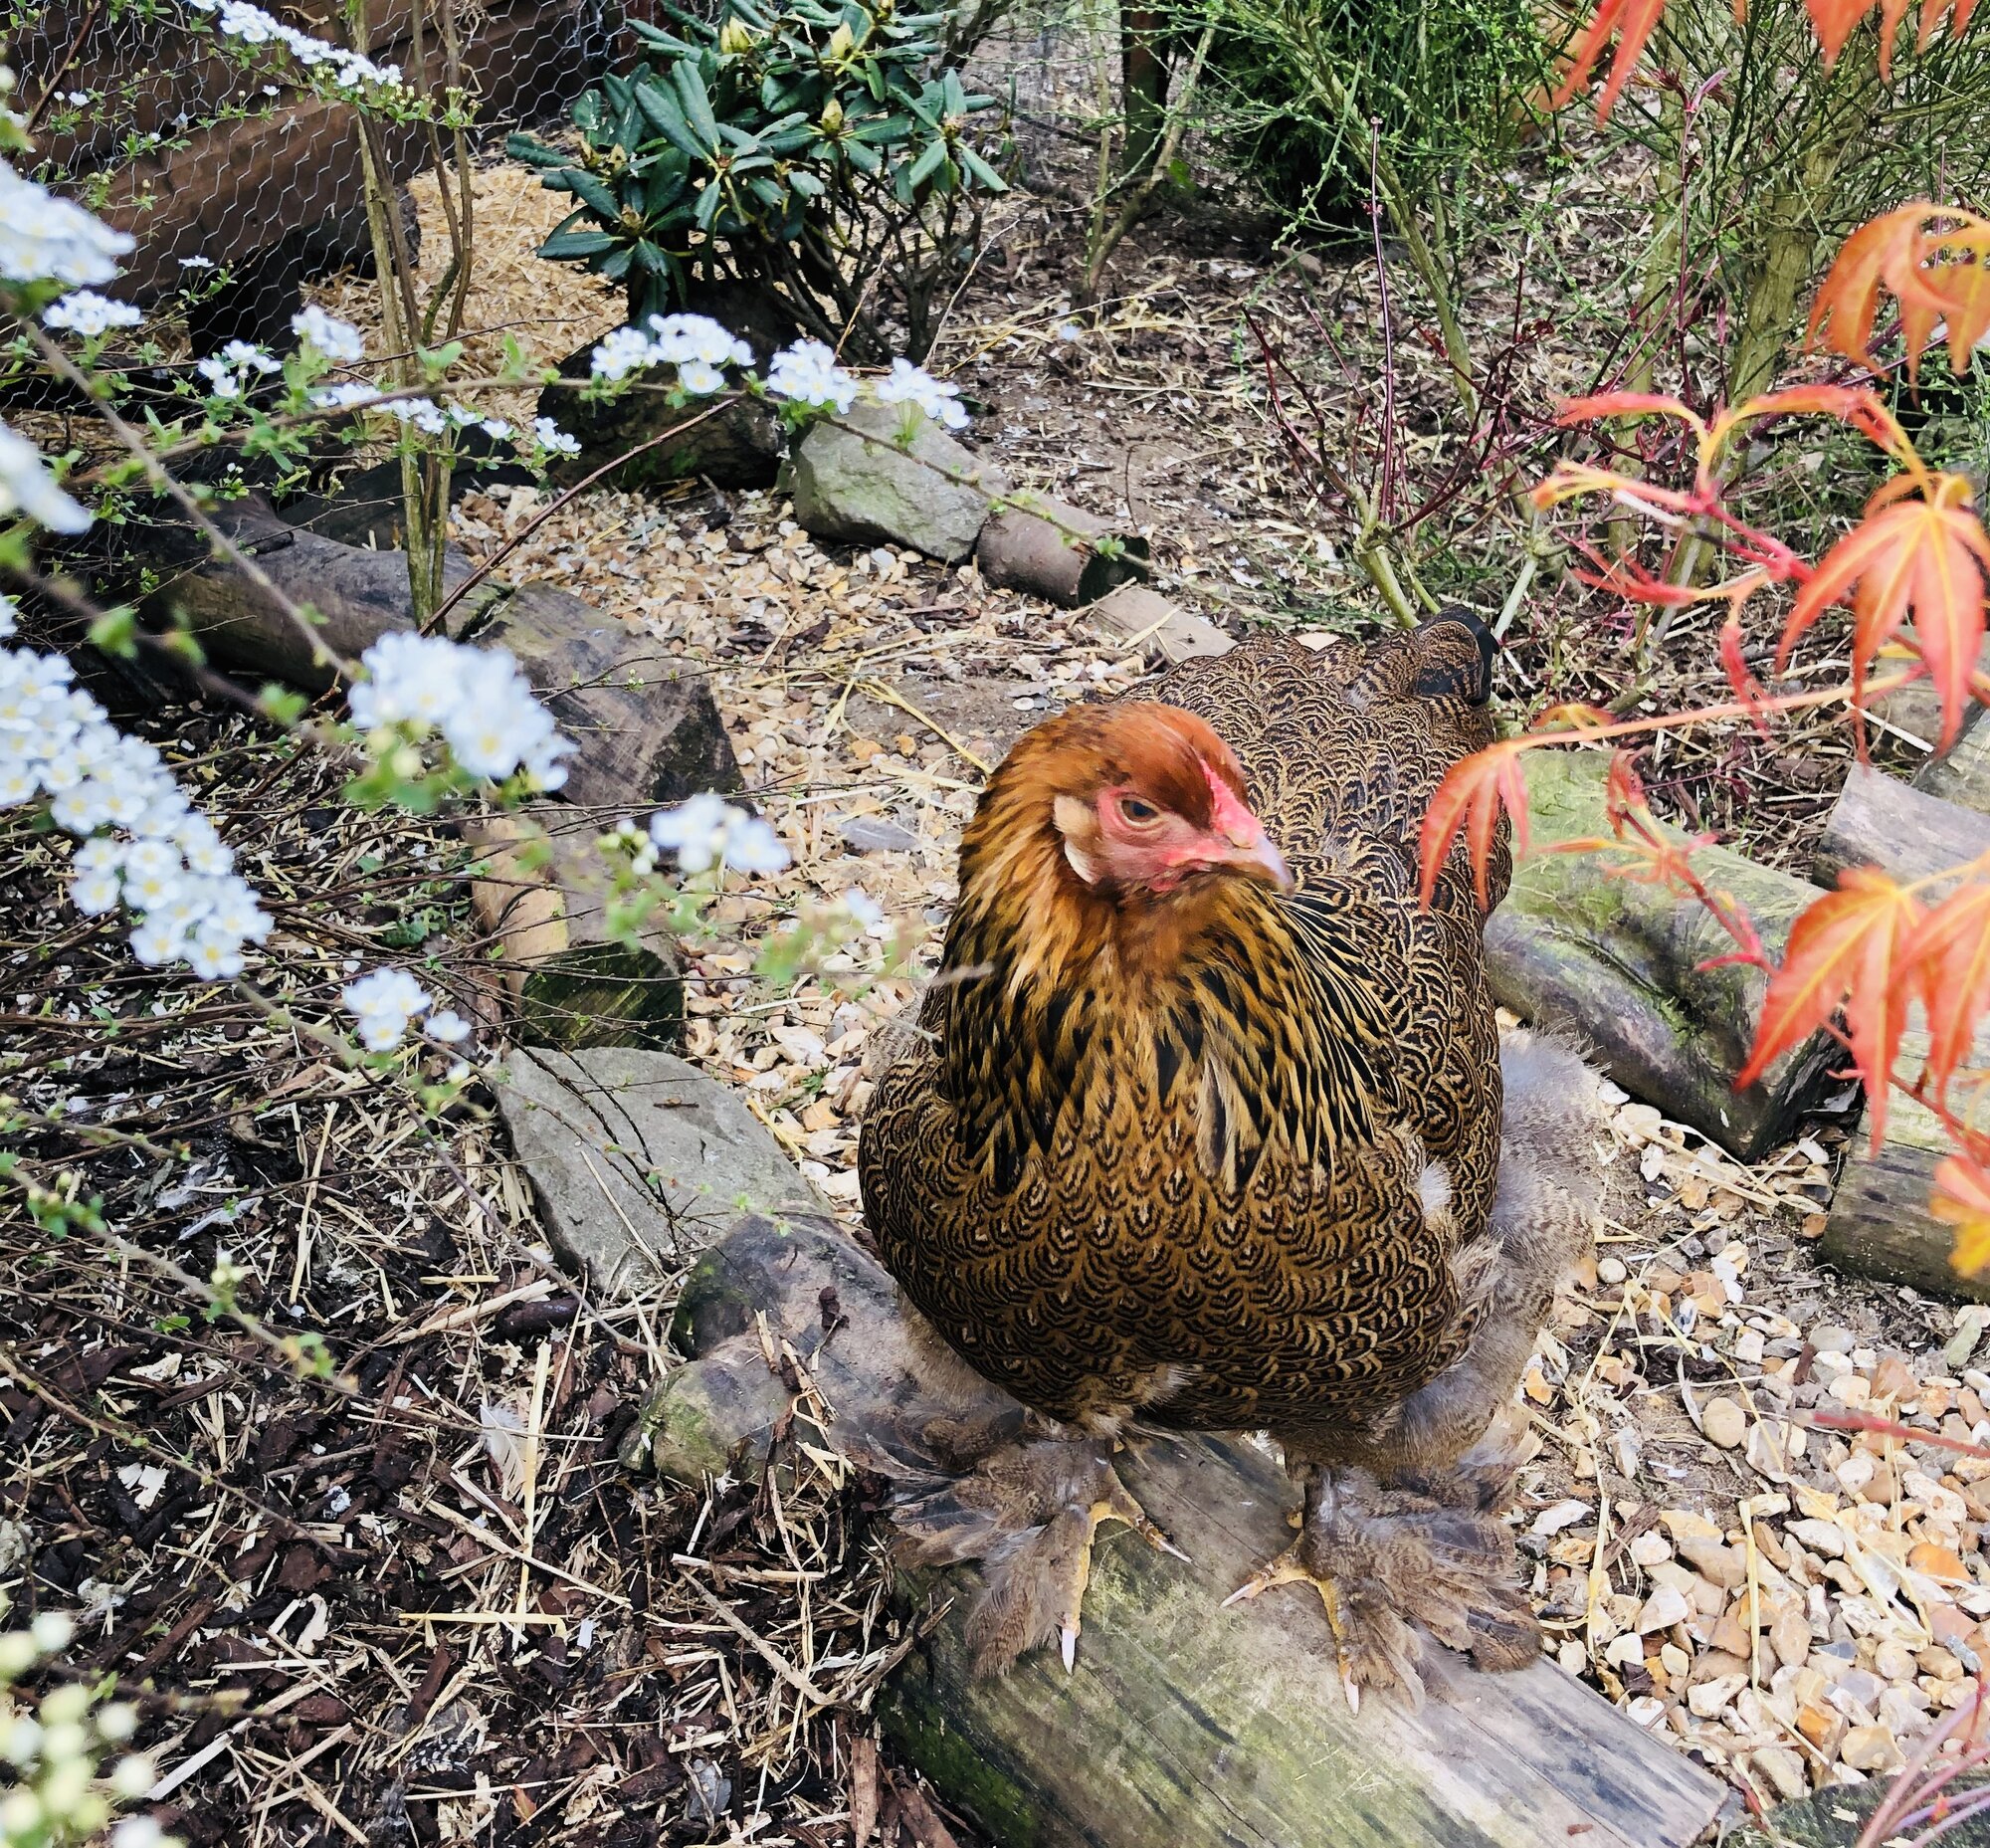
1421	1549
1030	1512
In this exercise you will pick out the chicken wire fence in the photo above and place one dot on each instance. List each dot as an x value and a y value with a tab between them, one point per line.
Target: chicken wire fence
238	168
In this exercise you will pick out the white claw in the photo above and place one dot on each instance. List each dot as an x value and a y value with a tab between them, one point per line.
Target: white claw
1352	1688
1067	1645
1168	1546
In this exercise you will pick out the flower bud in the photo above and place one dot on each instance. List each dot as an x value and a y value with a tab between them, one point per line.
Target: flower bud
832	117
735	38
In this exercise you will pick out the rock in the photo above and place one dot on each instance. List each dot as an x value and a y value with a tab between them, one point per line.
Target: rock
1782	1769
1938	1563
1829	1337
1665	1606
1870	1748
1821	1537
706	1418
1053	550
1731	1635
1789	1636
1726	1566
853	481
640	1162
1651	1548
1705	1698
1134	612
1823	1727
1611	1271
1550	1521
1894	1661
1685	1526
875	834
1723	1422
646	724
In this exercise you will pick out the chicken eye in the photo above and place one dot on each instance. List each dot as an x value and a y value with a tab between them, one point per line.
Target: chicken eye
1139	814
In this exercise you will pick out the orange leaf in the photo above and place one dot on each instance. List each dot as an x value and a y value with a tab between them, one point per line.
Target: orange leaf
1624	404
1899	251
1923	557
1962	1198
1843	950
1948	957
1851	404
1474	791
1633	21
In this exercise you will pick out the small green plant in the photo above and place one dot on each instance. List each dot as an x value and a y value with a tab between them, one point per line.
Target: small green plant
821	150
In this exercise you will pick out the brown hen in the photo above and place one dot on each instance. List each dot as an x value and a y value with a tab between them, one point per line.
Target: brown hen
1202	1128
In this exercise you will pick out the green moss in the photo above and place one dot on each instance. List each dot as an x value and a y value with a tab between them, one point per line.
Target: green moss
959	1769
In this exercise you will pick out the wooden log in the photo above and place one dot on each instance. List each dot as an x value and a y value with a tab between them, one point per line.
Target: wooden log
571	983
1909	832
1963	775
1617	962
1184	1724
645	723
1050	549
1878	1224
359	593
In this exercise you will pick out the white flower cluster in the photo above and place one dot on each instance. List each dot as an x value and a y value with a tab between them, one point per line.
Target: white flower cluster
551	436
474	697
166	865
807	373
227	372
59	1791
426	414
88	315
44	239
386	1000
707	829
27	488
252	26
695	344
910	384
336	340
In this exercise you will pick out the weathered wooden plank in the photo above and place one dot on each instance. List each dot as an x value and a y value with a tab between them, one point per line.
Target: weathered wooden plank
1908	830
1619	962
1878	1224
1963	775
1184	1724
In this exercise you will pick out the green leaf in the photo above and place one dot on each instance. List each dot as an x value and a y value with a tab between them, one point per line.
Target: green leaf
696	105
661	106
577	246
533	151
983	174
116	632
922	169
597	198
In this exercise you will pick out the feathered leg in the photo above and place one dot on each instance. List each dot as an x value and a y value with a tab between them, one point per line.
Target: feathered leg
1029	1513
1401	1520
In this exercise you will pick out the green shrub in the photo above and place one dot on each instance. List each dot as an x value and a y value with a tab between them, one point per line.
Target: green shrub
818	149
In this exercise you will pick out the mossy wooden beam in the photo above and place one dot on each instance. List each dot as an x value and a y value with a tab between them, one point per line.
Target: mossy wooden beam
1184	1724
1620	964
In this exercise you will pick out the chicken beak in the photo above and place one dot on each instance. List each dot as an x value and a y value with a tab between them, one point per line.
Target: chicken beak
1258	853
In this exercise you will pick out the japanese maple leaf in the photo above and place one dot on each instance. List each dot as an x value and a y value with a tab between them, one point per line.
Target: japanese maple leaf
1948	960
1633	21
1920	552
1845	950
1470	797
1935	274
1962	1198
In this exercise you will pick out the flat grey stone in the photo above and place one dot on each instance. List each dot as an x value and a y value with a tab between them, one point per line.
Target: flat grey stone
875	834
1135	610
857	482
640	1162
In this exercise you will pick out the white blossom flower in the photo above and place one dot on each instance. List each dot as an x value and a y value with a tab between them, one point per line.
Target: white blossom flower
446	1026
684	337
46	239
863	908
699	378
910	384
475	698
222	381
196	263
26	486
707	829
8	614
626	350
246	356
334	338
495	428
137	1832
343	397
87	313
551	436
808	373
384	1003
